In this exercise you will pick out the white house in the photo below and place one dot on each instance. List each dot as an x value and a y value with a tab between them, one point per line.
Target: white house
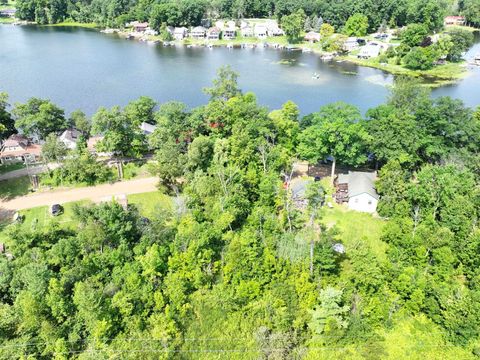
247	31
179	33
198	32
213	33
70	137
351	44
229	33
357	188
370	50
260	31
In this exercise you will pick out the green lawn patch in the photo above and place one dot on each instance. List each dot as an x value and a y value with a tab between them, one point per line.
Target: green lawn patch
10	167
357	227
14	187
151	203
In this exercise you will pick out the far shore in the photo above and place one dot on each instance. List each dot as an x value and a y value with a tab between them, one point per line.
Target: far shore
440	75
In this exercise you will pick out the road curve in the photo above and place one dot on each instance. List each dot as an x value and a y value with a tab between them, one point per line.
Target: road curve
93	193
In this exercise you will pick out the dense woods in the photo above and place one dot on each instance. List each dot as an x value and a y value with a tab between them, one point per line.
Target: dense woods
191	12
228	272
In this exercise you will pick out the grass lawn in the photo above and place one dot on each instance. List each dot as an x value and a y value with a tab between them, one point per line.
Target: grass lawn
355	226
14	187
10	167
73	23
151	202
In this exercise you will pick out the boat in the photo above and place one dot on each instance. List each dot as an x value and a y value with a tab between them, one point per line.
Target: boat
315	76
229	46
476	59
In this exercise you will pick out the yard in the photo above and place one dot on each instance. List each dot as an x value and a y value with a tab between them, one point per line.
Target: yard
357	227
10	167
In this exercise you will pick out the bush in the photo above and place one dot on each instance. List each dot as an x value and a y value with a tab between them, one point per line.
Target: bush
419	59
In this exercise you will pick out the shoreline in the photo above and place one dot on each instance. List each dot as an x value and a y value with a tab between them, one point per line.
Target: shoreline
439	76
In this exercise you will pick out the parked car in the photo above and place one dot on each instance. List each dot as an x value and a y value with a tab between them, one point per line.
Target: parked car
56	209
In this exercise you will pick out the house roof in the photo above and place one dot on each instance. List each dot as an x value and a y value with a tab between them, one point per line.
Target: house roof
214	30
359	182
16	140
32	149
198	29
454	17
147	128
180	30
71	135
93	141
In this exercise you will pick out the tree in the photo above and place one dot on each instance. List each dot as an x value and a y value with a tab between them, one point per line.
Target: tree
462	40
337	131
293	25
121	133
169	166
414	34
356	25
7	124
420	58
39	117
225	86
141	110
53	149
79	120
326	30
165	35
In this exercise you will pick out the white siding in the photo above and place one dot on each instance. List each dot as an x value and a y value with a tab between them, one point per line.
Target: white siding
363	202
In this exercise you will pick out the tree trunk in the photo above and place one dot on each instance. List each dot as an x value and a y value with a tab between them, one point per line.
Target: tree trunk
311	256
333	170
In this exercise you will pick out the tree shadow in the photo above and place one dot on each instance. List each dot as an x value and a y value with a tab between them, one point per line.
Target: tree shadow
12	188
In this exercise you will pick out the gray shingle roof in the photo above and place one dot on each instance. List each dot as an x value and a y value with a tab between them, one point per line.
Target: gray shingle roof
359	182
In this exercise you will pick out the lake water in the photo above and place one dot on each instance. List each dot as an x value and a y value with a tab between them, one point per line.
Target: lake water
81	68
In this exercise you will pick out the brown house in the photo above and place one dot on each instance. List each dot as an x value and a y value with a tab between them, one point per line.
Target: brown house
18	148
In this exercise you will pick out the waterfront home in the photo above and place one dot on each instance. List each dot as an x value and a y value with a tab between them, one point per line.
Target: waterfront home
180	33
220	24
454	20
140	26
229	33
231	24
247	31
243	24
370	50
18	148
260	31
213	33
69	138
312	36
273	29
357	189
198	32
8	12
351	44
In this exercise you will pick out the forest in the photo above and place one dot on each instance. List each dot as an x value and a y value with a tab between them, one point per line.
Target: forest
191	12
238	271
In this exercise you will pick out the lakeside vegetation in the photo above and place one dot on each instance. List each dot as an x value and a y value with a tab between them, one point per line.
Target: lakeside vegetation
223	260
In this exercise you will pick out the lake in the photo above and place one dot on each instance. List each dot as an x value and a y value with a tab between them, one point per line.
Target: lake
85	69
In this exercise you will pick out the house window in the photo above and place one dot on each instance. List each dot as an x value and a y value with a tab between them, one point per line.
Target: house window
356	200
369	202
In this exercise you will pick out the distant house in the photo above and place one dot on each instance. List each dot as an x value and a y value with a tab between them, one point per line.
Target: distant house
370	50
70	137
220	24
454	20
247	31
229	33
357	189
18	148
312	36
351	44
92	144
147	128
198	32
180	33
273	29
260	31
8	12
213	33
140	26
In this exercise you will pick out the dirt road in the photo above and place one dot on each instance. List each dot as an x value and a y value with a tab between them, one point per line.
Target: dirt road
94	193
